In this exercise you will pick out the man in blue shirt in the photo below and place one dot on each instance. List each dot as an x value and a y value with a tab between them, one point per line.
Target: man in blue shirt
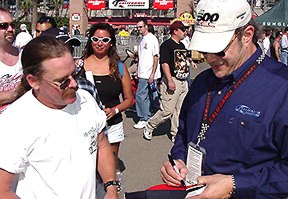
236	110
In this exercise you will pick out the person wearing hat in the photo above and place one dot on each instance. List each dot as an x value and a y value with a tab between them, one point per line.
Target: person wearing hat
233	119
174	85
60	33
23	37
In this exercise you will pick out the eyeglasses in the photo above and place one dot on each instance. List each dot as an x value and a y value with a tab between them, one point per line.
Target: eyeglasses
222	53
5	25
64	84
139	27
105	40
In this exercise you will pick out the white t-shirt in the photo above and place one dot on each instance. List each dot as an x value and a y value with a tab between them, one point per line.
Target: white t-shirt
10	78
148	48
53	151
284	42
266	46
22	39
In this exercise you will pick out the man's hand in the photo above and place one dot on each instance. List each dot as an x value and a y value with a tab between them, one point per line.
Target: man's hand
217	186
111	193
151	78
193	64
171	85
170	177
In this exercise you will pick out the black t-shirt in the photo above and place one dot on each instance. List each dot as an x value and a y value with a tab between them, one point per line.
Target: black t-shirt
109	90
175	55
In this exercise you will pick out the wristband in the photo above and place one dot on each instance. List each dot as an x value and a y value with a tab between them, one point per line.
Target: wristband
113	183
116	109
233	192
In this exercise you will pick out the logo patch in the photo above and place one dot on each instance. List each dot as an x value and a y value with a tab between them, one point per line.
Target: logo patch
245	110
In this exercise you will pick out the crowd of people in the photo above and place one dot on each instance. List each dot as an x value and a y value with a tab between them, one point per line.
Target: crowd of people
61	121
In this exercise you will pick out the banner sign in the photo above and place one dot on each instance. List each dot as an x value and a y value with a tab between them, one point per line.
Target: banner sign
186	18
163	5
128	4
96	4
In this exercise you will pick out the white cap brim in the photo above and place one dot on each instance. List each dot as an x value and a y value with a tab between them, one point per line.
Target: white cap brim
212	42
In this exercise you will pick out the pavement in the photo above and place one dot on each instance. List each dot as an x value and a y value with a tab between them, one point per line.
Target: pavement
141	160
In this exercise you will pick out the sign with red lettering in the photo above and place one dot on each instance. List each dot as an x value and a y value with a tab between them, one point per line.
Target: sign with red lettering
75	17
163	5
128	4
96	4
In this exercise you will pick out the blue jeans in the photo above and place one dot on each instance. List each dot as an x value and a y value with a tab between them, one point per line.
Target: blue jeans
283	56
143	100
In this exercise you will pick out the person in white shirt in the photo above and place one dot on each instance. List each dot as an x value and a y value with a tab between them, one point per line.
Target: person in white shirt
148	51
58	142
267	43
284	47
10	62
23	37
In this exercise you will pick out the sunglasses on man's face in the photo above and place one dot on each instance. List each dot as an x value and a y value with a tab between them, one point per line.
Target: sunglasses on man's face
64	84
5	25
105	40
183	28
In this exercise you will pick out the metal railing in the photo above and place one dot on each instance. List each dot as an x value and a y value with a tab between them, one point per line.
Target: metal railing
122	42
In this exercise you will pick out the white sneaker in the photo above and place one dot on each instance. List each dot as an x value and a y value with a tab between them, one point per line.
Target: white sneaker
140	125
147	134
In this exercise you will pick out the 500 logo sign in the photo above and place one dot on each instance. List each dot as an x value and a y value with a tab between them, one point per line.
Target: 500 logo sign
207	16
207	19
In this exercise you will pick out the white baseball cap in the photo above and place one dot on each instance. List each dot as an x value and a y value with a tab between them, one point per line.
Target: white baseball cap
23	26
216	23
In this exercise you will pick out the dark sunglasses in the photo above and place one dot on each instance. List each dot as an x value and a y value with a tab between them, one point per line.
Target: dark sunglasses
5	25
64	84
183	28
105	40
139	27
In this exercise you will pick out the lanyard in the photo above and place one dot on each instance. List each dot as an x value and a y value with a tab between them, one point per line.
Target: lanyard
207	121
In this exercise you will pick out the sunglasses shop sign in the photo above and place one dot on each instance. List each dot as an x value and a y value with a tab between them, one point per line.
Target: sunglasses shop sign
128	4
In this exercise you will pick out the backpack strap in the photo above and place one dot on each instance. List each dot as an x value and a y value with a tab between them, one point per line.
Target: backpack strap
121	69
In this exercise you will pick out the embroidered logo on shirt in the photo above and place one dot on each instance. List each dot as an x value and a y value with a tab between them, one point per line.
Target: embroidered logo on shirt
245	110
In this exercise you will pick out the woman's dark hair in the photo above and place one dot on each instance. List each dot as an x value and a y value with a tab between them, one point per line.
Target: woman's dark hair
112	53
35	52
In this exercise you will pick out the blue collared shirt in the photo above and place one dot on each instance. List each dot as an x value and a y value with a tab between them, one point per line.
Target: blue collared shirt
249	137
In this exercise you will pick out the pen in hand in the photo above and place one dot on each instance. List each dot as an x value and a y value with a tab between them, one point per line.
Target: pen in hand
176	169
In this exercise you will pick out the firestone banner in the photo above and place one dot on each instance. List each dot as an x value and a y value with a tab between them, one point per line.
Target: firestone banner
96	4
128	4
163	5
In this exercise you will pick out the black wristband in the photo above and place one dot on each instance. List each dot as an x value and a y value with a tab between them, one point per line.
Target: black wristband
113	183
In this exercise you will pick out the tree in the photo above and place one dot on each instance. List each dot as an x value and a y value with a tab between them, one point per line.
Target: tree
57	4
25	6
34	15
